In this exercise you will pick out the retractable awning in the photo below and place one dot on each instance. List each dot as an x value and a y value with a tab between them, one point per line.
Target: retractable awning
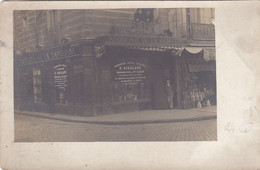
175	46
209	53
200	59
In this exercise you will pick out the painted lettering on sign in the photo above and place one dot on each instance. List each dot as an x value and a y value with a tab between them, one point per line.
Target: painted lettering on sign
49	55
60	76
130	72
61	80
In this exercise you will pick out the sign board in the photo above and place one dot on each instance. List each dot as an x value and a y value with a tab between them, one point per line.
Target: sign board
61	82
52	54
130	72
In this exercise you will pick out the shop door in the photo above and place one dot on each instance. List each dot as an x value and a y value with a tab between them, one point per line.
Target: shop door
49	90
158	83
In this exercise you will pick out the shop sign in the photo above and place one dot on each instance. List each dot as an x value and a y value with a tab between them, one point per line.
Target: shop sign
50	55
130	72
135	41
60	76
60	80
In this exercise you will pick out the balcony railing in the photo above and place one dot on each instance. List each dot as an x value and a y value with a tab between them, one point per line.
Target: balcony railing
202	31
53	35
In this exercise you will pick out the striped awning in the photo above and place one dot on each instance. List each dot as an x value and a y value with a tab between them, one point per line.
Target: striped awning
175	47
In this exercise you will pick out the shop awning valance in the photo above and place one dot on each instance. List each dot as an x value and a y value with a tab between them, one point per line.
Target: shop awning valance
194	50
209	53
176	47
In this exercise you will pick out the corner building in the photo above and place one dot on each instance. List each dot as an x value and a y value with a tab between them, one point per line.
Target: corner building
93	62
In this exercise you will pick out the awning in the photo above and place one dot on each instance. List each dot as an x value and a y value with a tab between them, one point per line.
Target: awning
193	50
174	46
209	53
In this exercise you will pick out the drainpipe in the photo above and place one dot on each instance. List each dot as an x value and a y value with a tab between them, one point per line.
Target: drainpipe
188	23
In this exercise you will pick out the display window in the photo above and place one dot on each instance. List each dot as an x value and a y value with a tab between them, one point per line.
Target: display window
37	85
61	83
131	81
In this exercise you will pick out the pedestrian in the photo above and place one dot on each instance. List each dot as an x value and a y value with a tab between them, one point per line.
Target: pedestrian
169	93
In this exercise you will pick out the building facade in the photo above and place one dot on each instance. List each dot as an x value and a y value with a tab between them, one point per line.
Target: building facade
89	62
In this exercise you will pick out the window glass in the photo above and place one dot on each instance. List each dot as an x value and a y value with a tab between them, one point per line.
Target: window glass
78	84
37	85
130	81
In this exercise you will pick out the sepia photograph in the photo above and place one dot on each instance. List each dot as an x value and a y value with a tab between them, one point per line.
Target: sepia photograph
134	74
130	85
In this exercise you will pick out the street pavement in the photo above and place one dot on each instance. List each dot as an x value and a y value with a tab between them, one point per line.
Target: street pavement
137	117
185	125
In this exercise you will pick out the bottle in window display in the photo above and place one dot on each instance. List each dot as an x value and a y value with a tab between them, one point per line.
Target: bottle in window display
203	102
193	100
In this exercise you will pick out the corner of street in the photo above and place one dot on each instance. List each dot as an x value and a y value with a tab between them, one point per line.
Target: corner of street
149	125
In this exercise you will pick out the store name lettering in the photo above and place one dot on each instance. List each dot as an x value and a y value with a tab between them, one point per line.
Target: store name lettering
142	40
54	54
130	68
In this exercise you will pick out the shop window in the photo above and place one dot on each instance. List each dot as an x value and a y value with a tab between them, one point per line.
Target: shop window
26	86
130	82
78	84
130	92
37	85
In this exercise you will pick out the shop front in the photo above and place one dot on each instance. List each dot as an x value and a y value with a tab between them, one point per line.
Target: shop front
199	78
112	75
137	70
137	78
56	80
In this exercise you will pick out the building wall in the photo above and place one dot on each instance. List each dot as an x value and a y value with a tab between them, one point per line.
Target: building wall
47	28
38	33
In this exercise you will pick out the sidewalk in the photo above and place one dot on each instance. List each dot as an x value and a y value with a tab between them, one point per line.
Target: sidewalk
138	117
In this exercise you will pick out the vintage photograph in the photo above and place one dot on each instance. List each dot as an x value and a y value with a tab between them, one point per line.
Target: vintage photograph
134	74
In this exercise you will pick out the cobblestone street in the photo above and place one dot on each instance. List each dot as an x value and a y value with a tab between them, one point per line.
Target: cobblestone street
34	129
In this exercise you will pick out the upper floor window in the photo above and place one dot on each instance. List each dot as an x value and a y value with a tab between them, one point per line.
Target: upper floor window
201	15
144	15
25	23
52	18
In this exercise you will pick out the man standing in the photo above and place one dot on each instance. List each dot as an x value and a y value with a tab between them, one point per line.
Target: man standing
169	93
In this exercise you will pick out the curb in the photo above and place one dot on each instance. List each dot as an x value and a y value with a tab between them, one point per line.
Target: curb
121	122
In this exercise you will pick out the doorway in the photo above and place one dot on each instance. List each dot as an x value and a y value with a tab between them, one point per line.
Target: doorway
162	70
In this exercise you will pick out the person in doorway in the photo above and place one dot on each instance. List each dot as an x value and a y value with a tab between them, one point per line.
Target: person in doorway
169	93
